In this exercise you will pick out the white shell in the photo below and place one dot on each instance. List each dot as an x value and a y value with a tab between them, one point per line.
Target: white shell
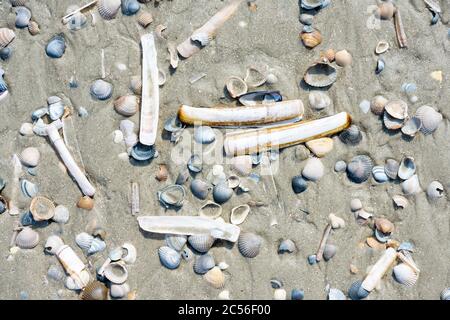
61	215
97	245
430	119
118	291
236	87
224	295
239	214
314	169
108	8
116	272
26	129
435	190
411	186
84	240
52	244
254	77
126	105
279	294
355	205
101	89
400	201
215	277
382	47
319	100
242	164
30	157
404	274
407	168
204	134
335	221
27	238
211	210
397	109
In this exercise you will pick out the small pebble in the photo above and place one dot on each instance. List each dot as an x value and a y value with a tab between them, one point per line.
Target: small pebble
355	205
297	294
118	136
307	19
312	259
123	156
413	99
279	294
340	166
24	295
365	106
353	269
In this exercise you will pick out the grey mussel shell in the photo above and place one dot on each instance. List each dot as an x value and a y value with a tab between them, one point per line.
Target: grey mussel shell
56	47
359	168
200	188
203	264
356	292
249	244
172	195
202	242
169	257
222	193
299	184
352	135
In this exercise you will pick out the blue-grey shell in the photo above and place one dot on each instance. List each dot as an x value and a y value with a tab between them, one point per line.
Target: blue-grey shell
130	7
359	168
222	193
314	4
101	89
249	244
286	246
299	184
383	238
204	134
195	163
142	152
97	245
380	66
297	294
356	292
445	294
56	47
172	195
379	174
84	240
352	135
169	257
5	53
56	109
312	259
204	263
3	85
28	188
202	242
39	113
56	273
200	188
3	205
23	16
336	294
175	241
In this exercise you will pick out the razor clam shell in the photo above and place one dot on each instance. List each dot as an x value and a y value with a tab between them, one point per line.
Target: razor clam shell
27	238
405	275
429	118
320	75
130	255
204	263
407	168
239	214
169	257
249	244
222	193
202	242
116	272
359	168
210	210
200	188
175	241
108	9
172	195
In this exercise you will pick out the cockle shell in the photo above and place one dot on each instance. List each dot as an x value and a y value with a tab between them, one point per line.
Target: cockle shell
28	188
56	47
118	291
30	157
254	77
16	3
86	203
412	126
215	277
101	89
136	85
183	176
382	47
249	244
202	242
377	104
42	208
299	184
6	37
400	201
126	105
172	195
204	134
52	244
320	147
211	210
204	263
359	168
329	251
357	292
391	168
319	100
397	109
352	135
430	119
23	16
94	291
379	174
314	169
405	275
108	9
222	193
435	190
56	273
175	241
84	240
286	246
116	272
163	173
343	58
145	19
27	238
130	7
320	74
407	168
391	123
130	253
242	164
200	188
97	245
311	39
236	87
239	214
169	257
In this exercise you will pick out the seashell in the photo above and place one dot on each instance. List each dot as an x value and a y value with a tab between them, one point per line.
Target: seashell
299	184
242	164
130	253
126	105
249	244
286	246
183	176
364	106
187	254
260	97
169	258
375	244
145	19
391	168
203	38
224	295
385	10
130	7
445	294
233	181
429	118
56	273
26	129
382	237
172	195
204	134
435	190
236	87
400	201
397	109
52	244
320	147
384	225
340	166
173	124
359	168
175	241
271	79
215	277
204	263
297	294
314	169
115	254
136	85
175	59
382	47
311	39
335	221
312	259
23	16
97	245
380	66
56	109
379	174
202	242
343	58
118	291
86	203
39	113
27	238
195	163
200	188
319	100
407	168
108	9
312	4
329	251
406	246
222	193
141	152
352	135
56	47
30	157
77	21
336	294
84	240
211	210
33	28
412	126
254	77
16	3
320	74
162	78
162	173
239	214
101	89
116	272
357	292
42	208
306	19
377	104
98	232
95	291
6	37
329	54
28	188
405	275
279	294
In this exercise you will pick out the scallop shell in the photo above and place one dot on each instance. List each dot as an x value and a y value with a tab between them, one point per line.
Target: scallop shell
412	126
314	169
397	109
200	188
249	244
84	240
126	105
145	19
130	7
222	193
445	294
86	203
400	201
94	291
136	85
405	275
118	291
435	190
130	253
320	74
169	257
52	244
239	214
352	135
23	16
55	273
377	104
203	264
215	277
391	168
42	208
359	168
357	292
201	242
172	195
429	118
28	188
97	245
311	39
242	164
382	47
379	174
343	58
30	157
286	246
6	37
254	77
175	241
27	238
116	272
236	87
204	134
162	173
195	163
319	100
56	47
108	9
407	168
336	294
384	225
211	210
101	89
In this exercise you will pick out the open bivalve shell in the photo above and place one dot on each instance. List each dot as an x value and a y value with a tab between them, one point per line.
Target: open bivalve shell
239	214
320	74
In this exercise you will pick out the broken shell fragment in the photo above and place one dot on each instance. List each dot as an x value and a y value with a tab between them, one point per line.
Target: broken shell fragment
145	19
319	100
239	214
343	58
355	205
435	190
236	87
382	47
163	173
380	66
42	209
411	186
400	201
320	74
211	210
254	77
195	163
28	188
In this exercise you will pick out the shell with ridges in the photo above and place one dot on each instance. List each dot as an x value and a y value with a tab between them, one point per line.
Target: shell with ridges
391	168
222	193
27	238
203	264
136	85
215	277
127	105
169	257
430	119
108	9
242	164
116	272
249	244
86	203
239	214
28	188
320	74
23	16
379	174
377	104
236	87
84	240
311	39
352	135
211	210
145	19
202	242
175	241
405	275
411	126
101	89
33	28
200	188
97	245
359	168
94	291
6	37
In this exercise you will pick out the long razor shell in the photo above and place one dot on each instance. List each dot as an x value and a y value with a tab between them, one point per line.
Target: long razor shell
258	140
150	91
189	225
379	269
237	116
